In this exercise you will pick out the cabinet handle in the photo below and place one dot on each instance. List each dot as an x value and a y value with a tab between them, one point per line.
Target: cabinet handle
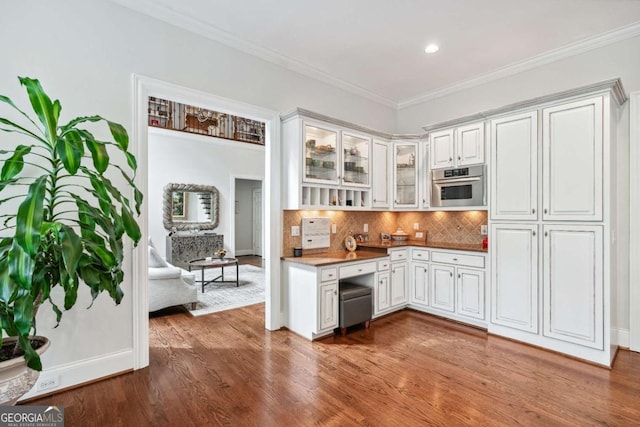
393	271
546	234
330	275
451	274
545	211
381	282
335	292
458	275
359	270
425	270
374	200
455	259
424	201
450	159
534	233
459	158
533	211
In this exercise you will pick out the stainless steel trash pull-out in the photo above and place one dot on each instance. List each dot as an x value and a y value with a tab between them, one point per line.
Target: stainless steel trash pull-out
356	305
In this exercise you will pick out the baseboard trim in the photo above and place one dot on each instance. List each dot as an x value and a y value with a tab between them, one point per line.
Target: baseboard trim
83	372
241	252
620	337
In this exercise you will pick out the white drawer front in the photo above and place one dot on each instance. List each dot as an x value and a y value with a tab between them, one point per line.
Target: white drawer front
458	259
399	255
383	265
357	269
329	274
420	255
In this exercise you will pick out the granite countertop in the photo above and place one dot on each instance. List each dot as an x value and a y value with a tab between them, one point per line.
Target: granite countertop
327	258
433	245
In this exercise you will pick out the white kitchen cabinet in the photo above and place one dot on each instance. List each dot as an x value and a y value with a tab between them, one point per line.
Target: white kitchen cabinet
356	159
381	176
420	283
471	294
514	276
405	174
442	287
459	147
572	149
514	166
321	153
573	284
399	284
328	312
382	293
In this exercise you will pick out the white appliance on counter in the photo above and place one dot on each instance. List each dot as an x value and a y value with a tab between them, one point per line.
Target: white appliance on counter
316	233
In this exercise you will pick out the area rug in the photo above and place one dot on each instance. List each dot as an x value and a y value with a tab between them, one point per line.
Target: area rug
225	296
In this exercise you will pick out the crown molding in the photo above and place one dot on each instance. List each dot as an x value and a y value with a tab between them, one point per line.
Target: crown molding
178	19
332	120
569	50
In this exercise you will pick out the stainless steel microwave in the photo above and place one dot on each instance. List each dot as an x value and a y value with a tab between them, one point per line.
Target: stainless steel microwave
459	187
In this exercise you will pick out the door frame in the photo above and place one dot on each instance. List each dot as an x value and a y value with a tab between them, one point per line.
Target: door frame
634	223
142	88
232	205
257	237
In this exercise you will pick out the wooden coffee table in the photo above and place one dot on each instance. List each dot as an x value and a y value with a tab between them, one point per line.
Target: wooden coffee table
204	263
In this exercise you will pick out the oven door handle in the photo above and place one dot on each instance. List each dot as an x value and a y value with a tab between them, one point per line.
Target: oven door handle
455	181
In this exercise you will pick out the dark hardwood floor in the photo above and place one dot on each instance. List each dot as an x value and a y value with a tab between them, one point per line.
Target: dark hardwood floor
408	369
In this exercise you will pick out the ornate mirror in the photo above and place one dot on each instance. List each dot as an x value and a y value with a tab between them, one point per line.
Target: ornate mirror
189	206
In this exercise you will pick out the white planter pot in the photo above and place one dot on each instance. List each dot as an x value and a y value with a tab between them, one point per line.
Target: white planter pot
15	377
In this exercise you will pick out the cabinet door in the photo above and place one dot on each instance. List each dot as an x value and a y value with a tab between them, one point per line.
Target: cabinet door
420	283
573	284
442	287
328	311
356	160
514	276
441	149
399	284
405	194
572	161
321	153
514	166
380	177
469	144
382	292
470	286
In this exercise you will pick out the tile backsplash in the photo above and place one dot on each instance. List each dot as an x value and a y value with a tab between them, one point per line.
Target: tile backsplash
441	226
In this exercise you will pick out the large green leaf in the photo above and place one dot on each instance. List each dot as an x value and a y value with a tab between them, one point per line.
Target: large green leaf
119	134
29	218
30	355
21	266
71	246
23	313
14	164
7	286
46	111
98	154
131	226
70	149
73	123
13	127
8	101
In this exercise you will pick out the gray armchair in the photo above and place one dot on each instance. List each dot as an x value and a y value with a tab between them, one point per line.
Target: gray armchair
169	285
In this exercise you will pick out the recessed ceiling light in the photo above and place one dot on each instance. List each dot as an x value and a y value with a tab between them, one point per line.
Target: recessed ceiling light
432	48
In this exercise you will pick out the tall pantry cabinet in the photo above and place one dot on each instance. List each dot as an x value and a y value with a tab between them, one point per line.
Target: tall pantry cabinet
553	186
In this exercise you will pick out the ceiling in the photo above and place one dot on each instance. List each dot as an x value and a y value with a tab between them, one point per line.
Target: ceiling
376	47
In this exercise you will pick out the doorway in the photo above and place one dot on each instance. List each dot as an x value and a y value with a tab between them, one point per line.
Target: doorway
248	217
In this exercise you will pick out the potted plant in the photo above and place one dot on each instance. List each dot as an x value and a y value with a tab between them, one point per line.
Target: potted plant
62	220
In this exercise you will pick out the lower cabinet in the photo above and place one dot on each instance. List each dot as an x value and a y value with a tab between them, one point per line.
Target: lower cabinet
471	294
442	287
381	293
399	284
420	283
328	307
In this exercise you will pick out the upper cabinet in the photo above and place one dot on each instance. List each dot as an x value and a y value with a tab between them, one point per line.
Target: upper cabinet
405	177
320	153
381	174
573	161
356	159
514	164
461	146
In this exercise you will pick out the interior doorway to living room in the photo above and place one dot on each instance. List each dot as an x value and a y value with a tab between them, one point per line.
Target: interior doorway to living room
248	218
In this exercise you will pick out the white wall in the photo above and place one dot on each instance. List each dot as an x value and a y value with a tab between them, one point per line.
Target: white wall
84	52
244	218
617	60
176	157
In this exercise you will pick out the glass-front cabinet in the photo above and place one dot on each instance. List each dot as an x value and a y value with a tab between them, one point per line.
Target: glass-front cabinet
405	188
355	160
320	154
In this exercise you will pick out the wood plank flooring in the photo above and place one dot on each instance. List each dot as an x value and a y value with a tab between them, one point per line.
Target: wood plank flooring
408	369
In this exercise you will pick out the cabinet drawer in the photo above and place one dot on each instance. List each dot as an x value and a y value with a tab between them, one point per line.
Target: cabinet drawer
420	255
383	265
357	269
328	274
399	255
458	259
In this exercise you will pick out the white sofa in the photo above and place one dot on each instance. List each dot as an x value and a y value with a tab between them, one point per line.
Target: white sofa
169	285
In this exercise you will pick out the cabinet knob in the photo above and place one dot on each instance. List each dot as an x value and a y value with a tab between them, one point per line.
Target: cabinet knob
451	274
450	159
546	234
534	233
533	211
374	200
458	275
335	292
455	259
545	211
425	270
381	282
359	270
393	271
459	158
